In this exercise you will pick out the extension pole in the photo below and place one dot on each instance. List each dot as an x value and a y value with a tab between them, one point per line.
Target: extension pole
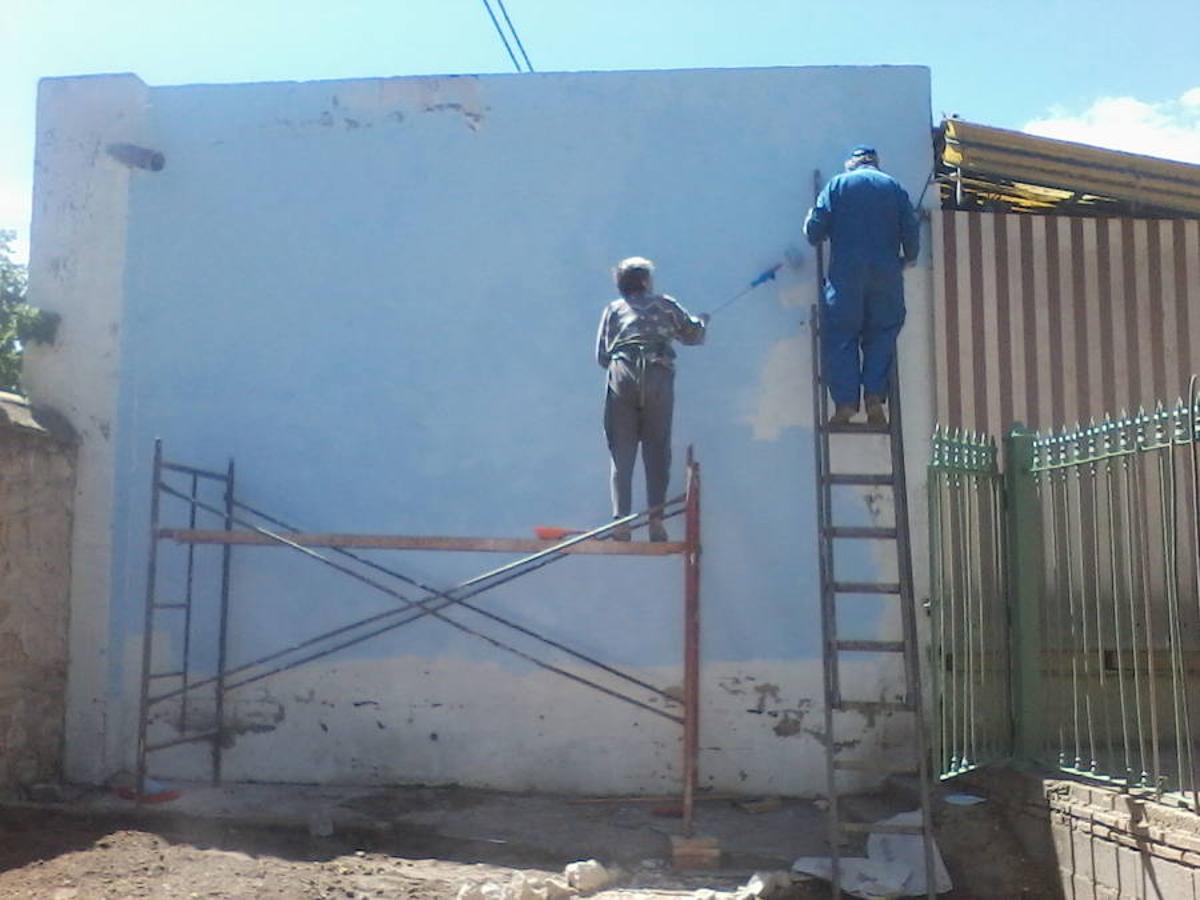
763	278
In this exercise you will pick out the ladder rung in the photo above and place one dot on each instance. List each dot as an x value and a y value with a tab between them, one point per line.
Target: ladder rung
871	765
881	828
855	428
854	478
873	706
168	606
873	646
165	675
869	532
866	587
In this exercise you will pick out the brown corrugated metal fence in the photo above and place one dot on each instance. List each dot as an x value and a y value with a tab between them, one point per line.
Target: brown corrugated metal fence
1051	320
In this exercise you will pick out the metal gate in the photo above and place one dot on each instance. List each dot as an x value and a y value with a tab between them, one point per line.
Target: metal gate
971	717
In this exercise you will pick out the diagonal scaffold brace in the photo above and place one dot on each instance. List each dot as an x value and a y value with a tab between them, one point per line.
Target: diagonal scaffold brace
239	529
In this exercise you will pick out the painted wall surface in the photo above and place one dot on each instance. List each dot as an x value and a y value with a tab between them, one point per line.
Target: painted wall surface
380	298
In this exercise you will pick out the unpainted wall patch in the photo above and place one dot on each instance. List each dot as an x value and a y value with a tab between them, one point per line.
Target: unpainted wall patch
791	723
767	692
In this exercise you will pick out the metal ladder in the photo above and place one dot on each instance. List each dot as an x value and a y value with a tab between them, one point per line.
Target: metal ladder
828	532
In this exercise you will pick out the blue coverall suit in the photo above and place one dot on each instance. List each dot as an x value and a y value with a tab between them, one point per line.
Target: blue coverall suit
869	221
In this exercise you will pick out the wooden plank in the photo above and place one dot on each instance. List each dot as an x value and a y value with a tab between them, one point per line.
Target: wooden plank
422	542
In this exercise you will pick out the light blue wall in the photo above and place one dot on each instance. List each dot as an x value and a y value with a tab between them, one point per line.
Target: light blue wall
380	298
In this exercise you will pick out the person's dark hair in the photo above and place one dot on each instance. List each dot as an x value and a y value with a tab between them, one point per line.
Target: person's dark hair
632	274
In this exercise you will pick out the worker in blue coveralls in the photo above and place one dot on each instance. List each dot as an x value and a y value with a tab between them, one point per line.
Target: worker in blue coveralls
634	347
872	231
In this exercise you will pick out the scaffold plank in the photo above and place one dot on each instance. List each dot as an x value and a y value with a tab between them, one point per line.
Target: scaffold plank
422	542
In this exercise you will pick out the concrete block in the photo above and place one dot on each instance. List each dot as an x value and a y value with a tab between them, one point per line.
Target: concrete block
1166	880
1104	864
1066	884
1064	847
1132	874
695	852
1183	840
1165	852
1083	888
1081	850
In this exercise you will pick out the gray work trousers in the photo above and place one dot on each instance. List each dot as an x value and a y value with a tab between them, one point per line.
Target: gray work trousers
637	409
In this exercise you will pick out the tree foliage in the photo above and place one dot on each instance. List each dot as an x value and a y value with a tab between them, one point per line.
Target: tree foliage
17	318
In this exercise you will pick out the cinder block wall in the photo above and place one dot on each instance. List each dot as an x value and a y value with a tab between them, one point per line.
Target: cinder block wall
1105	844
37	474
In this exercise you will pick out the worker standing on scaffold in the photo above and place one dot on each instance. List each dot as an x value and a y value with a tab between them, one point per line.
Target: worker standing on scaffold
872	233
634	346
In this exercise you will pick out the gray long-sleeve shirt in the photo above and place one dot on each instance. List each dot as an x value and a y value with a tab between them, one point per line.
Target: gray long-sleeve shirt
646	325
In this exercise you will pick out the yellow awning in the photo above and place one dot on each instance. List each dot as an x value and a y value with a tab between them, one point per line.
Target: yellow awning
1036	172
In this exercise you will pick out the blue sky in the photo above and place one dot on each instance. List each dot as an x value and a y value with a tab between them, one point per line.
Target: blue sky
1114	73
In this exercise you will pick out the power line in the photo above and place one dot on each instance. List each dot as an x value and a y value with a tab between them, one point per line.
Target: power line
500	31
516	37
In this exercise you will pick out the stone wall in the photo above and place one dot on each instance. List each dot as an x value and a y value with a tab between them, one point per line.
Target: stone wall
36	485
1105	844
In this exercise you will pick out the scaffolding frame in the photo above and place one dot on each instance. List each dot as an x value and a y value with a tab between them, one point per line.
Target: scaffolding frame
239	528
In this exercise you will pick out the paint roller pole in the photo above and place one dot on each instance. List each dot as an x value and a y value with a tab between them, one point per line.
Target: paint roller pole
763	278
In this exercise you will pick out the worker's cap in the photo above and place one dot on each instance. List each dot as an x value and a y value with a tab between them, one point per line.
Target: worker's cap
863	151
635	264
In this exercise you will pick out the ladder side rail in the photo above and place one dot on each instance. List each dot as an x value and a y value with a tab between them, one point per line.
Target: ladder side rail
188	594
148	620
223	631
824	498
912	658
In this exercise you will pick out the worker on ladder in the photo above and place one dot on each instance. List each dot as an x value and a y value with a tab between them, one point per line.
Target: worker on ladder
634	347
873	232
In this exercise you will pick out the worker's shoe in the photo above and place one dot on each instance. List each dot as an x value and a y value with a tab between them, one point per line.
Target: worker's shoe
621	533
875	414
842	414
658	532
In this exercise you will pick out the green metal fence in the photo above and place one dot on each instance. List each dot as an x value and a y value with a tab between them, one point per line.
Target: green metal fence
967	607
1065	599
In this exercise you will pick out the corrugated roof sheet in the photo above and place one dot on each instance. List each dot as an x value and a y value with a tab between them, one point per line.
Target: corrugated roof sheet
1029	173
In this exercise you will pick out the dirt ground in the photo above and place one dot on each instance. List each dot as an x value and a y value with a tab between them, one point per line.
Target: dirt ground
63	856
252	842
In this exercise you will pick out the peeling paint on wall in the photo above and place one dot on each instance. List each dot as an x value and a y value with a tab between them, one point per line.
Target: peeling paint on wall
395	180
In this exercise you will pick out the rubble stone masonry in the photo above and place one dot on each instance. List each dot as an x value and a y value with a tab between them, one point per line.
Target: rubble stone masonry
36	485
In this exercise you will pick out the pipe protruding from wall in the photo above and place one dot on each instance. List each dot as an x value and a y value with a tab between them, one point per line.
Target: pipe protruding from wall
137	157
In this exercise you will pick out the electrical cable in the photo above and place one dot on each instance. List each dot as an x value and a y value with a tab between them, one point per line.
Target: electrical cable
512	28
500	32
